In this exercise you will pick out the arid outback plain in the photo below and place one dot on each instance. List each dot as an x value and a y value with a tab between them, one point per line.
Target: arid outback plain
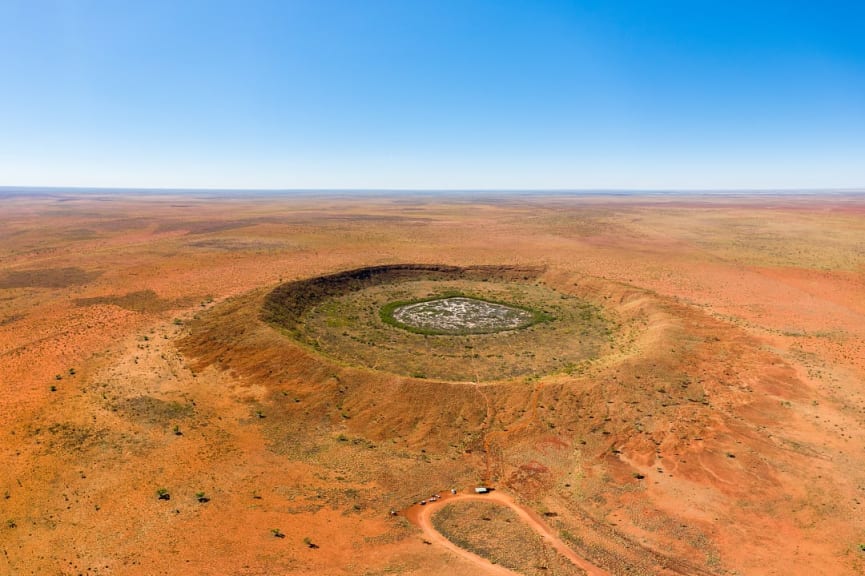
197	384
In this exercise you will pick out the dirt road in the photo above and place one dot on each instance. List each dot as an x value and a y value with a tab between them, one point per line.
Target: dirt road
421	516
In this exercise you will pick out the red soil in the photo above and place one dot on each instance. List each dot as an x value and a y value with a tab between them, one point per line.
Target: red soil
723	435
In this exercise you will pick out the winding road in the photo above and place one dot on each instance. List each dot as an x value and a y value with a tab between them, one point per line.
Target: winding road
421	516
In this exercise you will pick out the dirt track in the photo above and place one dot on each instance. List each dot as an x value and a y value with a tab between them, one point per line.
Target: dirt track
421	516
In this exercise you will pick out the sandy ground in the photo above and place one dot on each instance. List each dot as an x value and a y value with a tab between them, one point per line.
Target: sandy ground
723	435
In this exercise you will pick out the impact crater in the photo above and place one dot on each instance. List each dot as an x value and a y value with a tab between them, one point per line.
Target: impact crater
477	323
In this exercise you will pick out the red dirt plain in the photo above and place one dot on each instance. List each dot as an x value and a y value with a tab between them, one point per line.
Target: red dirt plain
723	432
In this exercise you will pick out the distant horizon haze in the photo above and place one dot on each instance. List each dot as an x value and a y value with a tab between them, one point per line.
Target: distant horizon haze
230	192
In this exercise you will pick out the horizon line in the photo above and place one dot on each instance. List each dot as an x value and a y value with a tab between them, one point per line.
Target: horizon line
395	190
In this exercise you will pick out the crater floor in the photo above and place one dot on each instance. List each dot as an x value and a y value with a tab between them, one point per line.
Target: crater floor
458	315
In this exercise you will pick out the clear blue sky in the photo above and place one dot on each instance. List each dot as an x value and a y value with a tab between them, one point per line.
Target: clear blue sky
433	93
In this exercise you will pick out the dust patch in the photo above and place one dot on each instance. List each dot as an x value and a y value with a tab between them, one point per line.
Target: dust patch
212	226
143	301
47	278
232	245
80	439
150	410
11	319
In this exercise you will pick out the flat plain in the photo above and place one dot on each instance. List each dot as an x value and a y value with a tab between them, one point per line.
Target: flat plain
703	414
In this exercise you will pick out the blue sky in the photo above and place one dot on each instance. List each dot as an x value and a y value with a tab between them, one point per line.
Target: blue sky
433	94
